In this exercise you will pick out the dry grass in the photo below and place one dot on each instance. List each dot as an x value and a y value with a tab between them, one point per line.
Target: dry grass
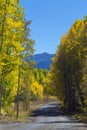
24	116
81	117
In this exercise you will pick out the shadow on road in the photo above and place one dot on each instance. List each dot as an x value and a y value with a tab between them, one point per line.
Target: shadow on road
52	109
52	114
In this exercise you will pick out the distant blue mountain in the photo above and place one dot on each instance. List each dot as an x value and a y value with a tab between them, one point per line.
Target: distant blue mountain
42	60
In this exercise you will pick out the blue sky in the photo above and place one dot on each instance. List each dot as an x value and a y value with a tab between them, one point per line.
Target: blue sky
51	19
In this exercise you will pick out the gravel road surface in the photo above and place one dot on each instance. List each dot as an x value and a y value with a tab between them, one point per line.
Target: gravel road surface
47	117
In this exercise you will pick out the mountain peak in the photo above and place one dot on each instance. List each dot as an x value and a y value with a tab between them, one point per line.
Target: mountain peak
43	60
45	53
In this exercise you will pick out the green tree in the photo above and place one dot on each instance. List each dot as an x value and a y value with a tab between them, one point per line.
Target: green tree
67	67
25	64
11	31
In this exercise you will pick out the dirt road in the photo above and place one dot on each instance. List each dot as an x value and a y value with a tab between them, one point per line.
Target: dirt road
47	117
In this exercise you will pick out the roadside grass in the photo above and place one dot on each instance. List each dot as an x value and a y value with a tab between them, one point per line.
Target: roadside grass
24	116
82	116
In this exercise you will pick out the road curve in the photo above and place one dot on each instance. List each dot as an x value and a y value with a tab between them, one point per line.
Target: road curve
47	117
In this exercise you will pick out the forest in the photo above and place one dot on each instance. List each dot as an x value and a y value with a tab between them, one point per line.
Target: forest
20	81
69	68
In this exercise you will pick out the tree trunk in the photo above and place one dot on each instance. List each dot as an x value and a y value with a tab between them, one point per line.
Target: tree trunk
17	115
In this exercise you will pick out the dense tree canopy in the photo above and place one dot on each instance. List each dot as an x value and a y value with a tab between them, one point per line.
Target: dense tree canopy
69	62
15	46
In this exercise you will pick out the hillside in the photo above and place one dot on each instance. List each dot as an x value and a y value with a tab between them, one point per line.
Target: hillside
43	60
